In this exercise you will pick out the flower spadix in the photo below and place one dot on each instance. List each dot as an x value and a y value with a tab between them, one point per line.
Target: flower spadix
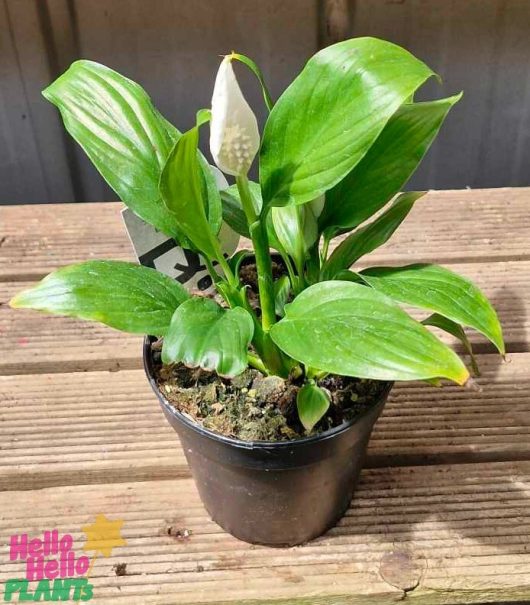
234	135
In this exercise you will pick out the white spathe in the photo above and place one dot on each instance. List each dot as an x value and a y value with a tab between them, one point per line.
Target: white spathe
234	134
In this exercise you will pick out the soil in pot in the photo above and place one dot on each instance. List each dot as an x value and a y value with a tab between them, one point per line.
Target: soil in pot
253	407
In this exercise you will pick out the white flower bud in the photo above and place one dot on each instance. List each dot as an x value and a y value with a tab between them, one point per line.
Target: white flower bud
234	134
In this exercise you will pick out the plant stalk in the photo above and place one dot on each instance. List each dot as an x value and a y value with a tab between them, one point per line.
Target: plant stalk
270	354
260	242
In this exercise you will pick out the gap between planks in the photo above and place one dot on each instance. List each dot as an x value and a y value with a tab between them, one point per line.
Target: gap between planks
467	528
444	227
96	427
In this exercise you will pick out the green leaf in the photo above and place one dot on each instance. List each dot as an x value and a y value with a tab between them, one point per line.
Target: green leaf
387	166
259	75
347	275
114	121
371	236
182	190
282	290
447	325
235	261
204	334
202	116
122	295
233	213
312	403
210	195
330	116
437	289
352	330
296	230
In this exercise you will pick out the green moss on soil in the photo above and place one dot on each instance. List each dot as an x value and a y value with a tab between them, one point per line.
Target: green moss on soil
253	407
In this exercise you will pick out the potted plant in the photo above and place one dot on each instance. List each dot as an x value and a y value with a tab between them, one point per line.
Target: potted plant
274	384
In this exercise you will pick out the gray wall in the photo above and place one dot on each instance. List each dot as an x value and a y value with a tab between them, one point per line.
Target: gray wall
172	48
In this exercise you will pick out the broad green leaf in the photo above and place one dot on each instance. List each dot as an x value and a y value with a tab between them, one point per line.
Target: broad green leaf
447	325
437	289
331	114
122	295
371	236
114	121
352	330
312	403
387	166
204	334
282	290
182	191
213	181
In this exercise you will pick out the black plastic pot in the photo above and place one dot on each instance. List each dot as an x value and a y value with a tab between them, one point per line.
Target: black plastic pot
273	493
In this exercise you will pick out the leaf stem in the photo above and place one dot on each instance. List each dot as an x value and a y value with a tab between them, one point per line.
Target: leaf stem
260	242
211	270
231	278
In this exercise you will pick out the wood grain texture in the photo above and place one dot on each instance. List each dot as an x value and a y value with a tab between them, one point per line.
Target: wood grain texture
441	515
97	427
465	527
35	342
37	239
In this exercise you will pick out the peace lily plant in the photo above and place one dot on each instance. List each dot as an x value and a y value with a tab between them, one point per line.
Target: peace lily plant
336	149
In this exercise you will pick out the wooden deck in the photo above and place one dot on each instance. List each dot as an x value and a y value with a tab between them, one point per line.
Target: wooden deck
442	513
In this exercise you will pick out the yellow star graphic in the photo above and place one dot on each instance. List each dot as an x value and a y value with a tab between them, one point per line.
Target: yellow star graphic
103	535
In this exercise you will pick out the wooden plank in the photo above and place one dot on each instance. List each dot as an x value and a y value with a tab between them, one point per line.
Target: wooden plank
96	427
37	239
445	227
33	342
463	530
87	427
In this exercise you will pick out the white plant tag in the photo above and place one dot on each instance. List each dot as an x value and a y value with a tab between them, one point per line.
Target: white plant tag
156	250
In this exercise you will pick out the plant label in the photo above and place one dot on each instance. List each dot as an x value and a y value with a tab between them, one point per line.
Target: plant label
156	250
